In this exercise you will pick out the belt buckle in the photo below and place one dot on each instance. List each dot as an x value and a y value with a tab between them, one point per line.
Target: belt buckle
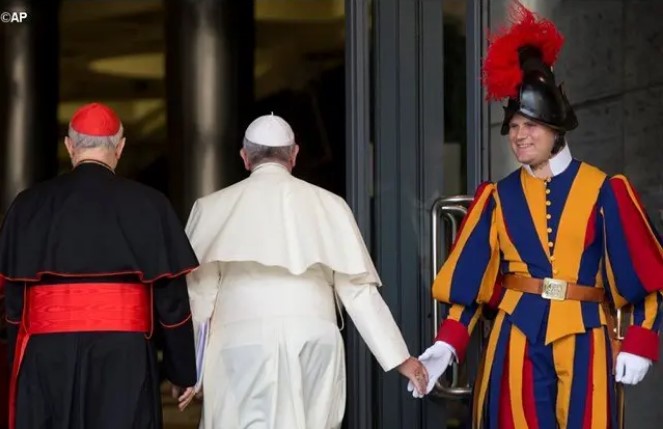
554	289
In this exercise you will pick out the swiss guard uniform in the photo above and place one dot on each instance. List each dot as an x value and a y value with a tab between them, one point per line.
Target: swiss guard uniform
552	255
92	262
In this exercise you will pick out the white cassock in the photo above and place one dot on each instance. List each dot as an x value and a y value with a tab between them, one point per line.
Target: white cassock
273	250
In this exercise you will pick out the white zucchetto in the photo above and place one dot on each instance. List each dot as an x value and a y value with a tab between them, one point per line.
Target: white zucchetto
270	130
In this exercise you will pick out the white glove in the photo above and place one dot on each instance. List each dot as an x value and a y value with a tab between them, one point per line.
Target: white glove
630	368
436	359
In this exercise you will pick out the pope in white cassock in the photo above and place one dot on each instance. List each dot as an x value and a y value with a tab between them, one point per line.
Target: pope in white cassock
274	253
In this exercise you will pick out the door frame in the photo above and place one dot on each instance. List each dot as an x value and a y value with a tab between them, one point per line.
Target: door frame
394	135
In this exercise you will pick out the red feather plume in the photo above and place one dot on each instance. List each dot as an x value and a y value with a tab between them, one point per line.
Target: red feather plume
501	69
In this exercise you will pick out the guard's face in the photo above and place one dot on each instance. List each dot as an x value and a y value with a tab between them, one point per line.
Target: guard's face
531	143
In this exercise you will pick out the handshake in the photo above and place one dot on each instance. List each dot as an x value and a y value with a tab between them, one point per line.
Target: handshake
424	372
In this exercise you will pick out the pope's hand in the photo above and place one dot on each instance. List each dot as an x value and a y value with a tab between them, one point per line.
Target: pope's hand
416	373
436	359
630	368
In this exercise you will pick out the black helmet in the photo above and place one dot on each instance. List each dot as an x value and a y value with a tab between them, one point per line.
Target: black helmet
539	98
518	66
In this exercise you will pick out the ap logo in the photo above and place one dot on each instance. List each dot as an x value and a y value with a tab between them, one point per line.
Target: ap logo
11	17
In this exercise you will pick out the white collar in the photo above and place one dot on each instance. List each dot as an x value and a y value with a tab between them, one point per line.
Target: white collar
558	163
270	167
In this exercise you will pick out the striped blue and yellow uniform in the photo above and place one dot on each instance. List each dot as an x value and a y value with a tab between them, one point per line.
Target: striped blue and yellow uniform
548	363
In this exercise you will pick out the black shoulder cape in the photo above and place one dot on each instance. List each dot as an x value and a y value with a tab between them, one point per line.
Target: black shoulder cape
90	222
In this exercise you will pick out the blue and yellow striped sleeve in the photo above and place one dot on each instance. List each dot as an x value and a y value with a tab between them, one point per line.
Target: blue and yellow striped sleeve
467	278
633	264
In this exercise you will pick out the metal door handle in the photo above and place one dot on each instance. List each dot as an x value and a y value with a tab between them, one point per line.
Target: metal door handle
453	210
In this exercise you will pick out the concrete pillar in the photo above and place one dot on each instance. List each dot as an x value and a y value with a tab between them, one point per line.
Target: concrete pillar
28	94
209	76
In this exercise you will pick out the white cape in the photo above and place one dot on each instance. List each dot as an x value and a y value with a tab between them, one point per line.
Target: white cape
305	225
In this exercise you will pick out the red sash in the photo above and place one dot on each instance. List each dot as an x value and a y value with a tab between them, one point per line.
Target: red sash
79	307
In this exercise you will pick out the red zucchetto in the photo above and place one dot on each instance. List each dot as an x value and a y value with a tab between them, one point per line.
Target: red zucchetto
95	119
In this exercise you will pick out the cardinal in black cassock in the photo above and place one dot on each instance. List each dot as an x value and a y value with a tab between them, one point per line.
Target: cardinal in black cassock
92	263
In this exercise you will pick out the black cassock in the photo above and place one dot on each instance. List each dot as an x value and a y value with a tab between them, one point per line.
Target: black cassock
90	228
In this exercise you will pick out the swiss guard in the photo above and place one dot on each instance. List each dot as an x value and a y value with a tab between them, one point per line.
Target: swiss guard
555	247
92	263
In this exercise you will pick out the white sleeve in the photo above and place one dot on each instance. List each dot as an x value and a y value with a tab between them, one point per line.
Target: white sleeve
192	221
203	285
373	320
